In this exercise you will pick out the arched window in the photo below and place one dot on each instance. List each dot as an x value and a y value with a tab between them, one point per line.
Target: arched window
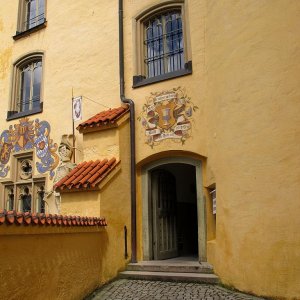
162	43
27	85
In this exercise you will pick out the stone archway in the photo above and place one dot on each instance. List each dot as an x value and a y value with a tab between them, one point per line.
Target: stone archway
189	171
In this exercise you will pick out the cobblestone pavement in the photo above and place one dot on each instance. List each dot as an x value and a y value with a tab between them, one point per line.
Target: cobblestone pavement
126	289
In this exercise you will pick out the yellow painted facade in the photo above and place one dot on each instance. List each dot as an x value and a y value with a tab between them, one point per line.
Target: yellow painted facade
51	262
244	133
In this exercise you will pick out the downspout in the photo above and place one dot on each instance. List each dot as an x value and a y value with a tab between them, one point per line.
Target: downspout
132	135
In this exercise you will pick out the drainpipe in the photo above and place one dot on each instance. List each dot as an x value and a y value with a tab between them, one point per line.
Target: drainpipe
132	134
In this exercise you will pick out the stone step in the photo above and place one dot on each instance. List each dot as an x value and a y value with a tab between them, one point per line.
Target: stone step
173	267
167	276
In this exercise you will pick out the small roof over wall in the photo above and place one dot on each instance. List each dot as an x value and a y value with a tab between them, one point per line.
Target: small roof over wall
87	175
104	120
27	218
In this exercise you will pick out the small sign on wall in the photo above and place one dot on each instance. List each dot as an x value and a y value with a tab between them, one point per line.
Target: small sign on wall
77	109
214	200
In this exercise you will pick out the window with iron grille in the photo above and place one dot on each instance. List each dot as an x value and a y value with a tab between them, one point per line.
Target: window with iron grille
27	84
162	43
164	47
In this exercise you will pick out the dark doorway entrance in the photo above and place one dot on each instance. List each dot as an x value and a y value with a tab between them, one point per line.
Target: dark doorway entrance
174	211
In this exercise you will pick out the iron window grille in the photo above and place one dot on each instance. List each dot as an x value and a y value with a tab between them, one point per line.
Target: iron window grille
163	44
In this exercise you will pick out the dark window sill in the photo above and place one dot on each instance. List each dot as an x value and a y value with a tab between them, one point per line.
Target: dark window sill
22	34
12	115
140	80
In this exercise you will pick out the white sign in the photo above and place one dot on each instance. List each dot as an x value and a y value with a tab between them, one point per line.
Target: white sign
77	108
214	200
165	97
183	127
153	131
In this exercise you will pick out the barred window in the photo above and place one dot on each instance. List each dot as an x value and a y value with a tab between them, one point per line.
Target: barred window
164	47
162	43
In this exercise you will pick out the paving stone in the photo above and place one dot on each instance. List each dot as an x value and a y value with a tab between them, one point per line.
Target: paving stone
132	289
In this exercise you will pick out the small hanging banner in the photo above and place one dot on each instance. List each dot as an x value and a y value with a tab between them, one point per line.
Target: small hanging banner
77	108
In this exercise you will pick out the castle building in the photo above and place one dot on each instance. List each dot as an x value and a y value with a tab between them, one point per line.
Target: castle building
176	120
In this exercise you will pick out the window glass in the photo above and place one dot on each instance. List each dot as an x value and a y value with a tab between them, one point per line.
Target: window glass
26	203
10	198
31	14
41	8
24	194
35	13
36	91
40	199
174	42
25	89
30	86
164	51
25	200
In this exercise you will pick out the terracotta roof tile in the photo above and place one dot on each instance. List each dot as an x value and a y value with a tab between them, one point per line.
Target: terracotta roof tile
104	118
86	175
27	218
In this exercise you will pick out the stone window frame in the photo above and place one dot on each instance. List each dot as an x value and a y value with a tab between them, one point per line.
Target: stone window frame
22	27
18	183
140	79
13	111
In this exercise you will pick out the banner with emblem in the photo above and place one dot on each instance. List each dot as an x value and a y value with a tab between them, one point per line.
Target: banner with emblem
77	108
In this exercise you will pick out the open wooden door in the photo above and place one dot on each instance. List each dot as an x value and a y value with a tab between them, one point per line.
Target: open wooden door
163	191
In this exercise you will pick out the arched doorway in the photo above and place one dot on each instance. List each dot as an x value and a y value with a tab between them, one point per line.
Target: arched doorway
173	210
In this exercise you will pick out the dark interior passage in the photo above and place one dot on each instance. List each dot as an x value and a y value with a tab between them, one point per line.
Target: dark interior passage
185	196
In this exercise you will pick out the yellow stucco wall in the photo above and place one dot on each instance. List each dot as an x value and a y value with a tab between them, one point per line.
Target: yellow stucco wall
85	203
112	201
252	58
194	84
79	55
37	262
101	144
116	207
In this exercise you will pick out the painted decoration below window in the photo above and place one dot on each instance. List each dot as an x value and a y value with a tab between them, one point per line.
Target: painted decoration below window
29	135
167	115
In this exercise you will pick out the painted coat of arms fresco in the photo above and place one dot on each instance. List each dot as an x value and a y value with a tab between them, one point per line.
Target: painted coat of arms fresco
167	115
29	135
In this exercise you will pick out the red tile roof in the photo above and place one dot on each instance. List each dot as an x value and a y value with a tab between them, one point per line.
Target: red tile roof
104	118
87	175
14	217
